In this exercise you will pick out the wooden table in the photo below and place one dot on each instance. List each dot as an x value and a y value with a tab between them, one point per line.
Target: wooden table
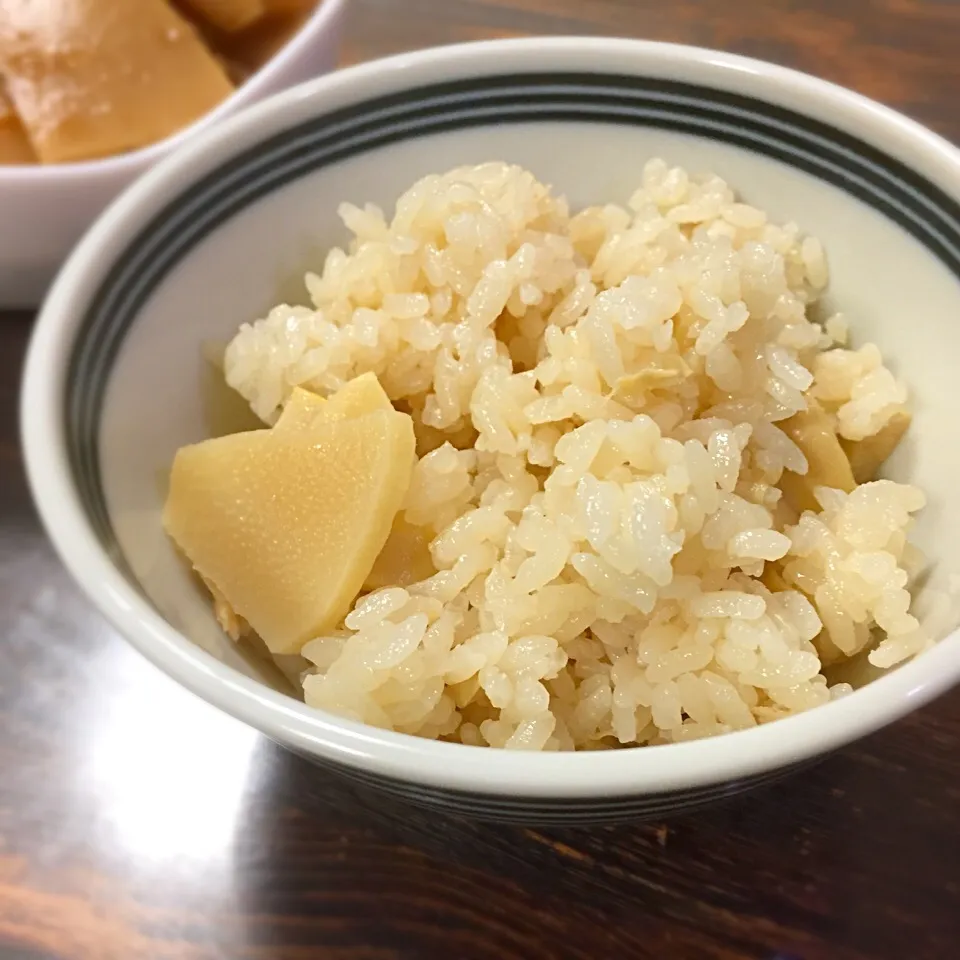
135	822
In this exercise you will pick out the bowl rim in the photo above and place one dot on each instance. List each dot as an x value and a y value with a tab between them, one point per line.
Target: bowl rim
323	17
646	771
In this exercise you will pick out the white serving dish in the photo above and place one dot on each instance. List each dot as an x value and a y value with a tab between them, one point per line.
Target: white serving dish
113	377
44	210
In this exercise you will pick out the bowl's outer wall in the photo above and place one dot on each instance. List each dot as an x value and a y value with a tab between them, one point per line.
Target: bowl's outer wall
547	811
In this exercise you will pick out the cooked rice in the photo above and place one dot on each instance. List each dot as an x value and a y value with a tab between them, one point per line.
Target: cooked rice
596	399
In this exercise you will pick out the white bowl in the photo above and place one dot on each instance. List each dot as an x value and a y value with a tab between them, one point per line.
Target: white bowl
45	209
210	236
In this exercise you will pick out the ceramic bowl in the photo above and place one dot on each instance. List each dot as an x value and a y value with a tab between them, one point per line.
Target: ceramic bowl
45	209
214	235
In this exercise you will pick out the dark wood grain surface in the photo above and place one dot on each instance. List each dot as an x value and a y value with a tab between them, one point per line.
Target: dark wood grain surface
135	822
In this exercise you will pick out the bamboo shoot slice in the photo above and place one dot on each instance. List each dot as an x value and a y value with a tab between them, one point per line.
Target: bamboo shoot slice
14	145
92	78
813	432
287	526
868	455
229	15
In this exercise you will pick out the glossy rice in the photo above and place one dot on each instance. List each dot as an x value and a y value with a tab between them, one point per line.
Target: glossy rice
599	400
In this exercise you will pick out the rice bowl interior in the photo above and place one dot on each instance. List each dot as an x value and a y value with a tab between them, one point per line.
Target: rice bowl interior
644	507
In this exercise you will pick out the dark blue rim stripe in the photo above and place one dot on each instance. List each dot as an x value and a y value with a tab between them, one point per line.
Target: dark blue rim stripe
831	155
